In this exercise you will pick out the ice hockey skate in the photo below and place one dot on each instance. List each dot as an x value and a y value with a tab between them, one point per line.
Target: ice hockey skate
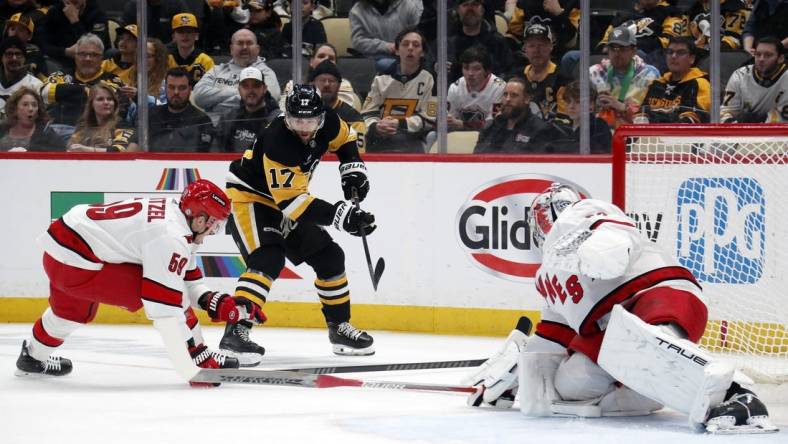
347	340
29	366
741	413
236	343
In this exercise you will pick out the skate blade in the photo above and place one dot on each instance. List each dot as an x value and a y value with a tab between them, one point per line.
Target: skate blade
244	359
34	375
344	350
755	426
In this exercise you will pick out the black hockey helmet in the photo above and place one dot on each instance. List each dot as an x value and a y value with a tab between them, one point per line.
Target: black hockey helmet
304	112
304	101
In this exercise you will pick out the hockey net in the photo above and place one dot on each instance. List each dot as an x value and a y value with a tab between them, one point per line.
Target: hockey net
716	196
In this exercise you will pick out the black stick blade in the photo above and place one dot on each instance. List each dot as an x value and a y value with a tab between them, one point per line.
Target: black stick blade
378	273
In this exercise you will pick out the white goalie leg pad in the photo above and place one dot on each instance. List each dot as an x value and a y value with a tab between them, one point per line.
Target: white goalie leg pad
672	371
536	390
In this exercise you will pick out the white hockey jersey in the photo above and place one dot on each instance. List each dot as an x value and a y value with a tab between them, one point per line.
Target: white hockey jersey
151	232
750	98
475	108
581	303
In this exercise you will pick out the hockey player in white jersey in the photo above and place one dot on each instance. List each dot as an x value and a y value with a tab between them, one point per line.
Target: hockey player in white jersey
618	330
137	253
758	92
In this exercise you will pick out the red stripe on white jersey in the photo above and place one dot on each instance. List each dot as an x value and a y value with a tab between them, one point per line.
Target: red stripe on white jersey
155	292
555	332
70	239
191	318
629	289
43	337
596	224
193	275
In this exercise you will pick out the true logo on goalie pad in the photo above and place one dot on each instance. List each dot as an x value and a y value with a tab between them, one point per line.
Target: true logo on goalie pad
721	229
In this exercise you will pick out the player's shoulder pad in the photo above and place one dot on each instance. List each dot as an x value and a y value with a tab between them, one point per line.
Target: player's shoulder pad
277	143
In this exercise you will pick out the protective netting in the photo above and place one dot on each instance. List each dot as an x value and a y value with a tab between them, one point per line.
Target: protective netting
720	204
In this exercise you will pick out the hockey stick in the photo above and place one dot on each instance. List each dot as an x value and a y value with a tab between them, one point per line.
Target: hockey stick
388	367
296	379
377	272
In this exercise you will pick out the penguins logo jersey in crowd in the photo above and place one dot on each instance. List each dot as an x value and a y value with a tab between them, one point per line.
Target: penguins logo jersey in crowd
750	98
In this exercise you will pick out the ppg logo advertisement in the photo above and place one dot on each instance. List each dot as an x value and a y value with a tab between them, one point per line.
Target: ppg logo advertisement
492	225
721	229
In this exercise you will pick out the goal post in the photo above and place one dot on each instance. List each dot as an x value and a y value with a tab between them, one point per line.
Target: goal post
716	197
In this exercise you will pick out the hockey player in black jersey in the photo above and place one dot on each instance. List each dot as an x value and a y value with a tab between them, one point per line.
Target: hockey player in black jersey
275	216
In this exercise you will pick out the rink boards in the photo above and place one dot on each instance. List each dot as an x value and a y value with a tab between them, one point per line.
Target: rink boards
452	230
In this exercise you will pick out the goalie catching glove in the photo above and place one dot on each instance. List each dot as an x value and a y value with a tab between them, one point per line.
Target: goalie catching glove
354	176
225	308
352	220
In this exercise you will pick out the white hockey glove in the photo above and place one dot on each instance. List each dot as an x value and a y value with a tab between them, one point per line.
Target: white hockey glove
605	254
496	379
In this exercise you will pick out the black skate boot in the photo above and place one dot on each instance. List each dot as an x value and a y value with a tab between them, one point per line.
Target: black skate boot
236	343
349	341
29	366
741	413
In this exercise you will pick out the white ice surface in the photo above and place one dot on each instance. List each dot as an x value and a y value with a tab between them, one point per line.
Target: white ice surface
123	390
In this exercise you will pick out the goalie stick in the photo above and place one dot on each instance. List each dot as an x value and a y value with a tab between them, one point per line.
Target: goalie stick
376	273
297	379
388	367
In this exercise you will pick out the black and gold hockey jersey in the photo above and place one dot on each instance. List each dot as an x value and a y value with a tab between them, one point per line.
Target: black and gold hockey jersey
277	170
654	26
687	100
118	67
547	94
64	94
734	14
197	63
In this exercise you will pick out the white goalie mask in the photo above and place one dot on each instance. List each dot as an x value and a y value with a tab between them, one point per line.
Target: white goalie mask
546	207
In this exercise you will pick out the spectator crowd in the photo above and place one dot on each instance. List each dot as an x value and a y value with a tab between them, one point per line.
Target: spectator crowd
218	71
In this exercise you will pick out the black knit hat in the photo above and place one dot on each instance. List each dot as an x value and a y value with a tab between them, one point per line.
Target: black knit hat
325	67
13	42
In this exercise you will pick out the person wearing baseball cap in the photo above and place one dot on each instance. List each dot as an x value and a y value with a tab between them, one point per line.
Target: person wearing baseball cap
120	63
545	81
622	79
327	79
183	48
14	73
474	30
23	26
160	13
239	127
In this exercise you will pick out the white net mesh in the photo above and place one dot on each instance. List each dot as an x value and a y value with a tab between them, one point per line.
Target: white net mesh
720	204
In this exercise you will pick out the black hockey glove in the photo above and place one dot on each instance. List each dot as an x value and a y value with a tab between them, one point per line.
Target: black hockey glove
352	220
354	175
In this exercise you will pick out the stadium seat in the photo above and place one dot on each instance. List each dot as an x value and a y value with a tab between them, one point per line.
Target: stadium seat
458	142
360	72
338	34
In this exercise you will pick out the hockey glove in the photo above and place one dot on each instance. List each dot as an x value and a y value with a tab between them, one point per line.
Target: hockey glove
354	175
203	358
353	220
223	307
